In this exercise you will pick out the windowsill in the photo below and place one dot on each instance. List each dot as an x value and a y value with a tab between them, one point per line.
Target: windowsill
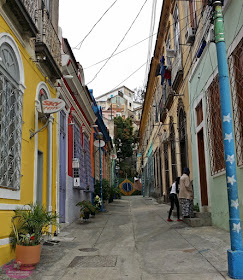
219	174
9	194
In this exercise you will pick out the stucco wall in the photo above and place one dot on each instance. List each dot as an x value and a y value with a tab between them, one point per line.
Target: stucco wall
217	189
73	197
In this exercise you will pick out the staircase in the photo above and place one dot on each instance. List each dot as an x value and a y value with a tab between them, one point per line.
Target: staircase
200	219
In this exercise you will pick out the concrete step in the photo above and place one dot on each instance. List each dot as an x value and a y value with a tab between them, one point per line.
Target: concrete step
202	215
201	219
193	222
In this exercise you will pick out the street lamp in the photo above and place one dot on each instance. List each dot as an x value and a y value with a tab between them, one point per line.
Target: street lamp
100	143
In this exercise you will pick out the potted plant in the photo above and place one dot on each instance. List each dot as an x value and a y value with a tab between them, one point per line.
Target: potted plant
84	209
92	208
29	226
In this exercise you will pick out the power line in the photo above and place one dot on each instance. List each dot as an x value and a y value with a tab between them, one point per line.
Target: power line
119	43
80	43
129	76
150	40
114	54
120	51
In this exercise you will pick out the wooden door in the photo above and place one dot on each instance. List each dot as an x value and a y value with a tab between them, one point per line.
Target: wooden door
202	168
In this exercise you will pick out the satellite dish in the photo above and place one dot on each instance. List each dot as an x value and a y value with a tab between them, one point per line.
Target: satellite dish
51	105
99	143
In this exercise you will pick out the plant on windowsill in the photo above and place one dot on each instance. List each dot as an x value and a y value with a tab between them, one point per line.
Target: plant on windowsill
28	227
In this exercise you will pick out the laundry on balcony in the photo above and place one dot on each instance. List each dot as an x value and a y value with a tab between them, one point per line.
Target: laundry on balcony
164	72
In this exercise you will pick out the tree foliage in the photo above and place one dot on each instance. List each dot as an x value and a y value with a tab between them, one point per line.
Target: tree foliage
125	142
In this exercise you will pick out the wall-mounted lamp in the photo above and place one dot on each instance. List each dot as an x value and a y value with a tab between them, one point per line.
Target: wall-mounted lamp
71	123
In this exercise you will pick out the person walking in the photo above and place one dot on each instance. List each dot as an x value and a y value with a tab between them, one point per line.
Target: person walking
186	194
174	200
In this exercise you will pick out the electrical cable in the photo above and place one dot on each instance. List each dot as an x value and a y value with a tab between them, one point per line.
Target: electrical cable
129	76
140	42
120	52
152	23
95	76
80	43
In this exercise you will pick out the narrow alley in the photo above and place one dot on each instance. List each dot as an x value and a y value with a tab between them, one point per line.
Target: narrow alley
132	240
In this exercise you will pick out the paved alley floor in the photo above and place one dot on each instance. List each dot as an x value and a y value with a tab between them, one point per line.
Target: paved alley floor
133	241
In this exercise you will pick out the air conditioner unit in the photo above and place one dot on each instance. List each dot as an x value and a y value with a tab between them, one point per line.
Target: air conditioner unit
76	182
190	35
75	163
170	53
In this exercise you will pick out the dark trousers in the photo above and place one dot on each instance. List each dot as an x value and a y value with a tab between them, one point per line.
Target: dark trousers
174	201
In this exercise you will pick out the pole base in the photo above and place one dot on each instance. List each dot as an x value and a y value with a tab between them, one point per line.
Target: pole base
235	264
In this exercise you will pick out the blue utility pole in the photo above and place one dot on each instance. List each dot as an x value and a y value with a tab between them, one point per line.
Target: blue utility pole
235	255
101	190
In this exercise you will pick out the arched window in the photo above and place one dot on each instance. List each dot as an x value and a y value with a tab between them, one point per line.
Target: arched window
11	107
182	137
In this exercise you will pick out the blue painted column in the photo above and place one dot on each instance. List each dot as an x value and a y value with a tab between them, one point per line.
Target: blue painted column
101	190
235	255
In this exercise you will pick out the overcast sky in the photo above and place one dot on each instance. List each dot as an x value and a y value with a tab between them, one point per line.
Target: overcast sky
77	17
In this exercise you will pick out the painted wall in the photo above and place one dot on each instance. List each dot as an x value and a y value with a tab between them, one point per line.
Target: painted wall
32	77
217	192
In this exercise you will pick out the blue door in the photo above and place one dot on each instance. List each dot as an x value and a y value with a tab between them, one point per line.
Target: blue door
62	167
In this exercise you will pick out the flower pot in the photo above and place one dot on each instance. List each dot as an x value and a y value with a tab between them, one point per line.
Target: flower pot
28	255
86	215
92	214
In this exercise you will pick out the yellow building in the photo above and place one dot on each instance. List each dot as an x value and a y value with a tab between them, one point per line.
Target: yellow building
29	66
165	140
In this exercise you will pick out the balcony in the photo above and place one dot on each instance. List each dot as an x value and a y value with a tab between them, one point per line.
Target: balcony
177	71
48	46
23	15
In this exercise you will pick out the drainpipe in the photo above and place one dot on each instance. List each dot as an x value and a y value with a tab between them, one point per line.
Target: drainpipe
49	164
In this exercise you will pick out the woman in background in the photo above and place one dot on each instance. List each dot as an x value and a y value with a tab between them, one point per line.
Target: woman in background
174	200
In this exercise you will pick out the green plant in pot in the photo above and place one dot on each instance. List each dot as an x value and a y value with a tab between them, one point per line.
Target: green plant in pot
85	209
29	224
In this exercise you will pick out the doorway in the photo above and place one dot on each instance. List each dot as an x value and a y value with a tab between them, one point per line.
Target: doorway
202	168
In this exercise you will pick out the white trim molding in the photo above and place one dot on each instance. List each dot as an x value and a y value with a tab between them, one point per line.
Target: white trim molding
41	85
9	207
4	241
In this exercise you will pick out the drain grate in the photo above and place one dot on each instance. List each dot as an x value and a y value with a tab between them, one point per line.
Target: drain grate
88	249
93	261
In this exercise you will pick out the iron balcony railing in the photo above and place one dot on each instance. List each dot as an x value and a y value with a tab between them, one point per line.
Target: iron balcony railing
48	35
